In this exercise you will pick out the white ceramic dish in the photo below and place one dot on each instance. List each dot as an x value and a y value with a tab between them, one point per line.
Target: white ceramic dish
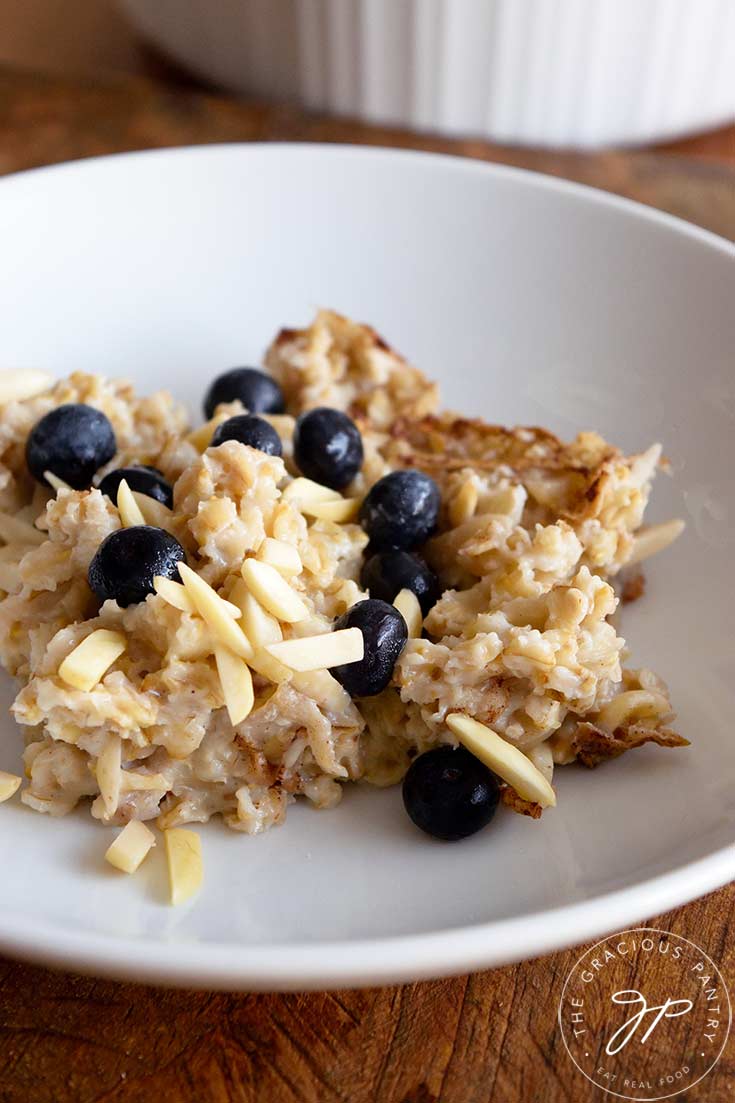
532	301
582	73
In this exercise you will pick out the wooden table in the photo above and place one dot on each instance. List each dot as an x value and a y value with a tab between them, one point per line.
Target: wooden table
490	1036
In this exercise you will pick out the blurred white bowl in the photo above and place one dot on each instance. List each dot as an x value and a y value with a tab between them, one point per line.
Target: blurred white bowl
581	73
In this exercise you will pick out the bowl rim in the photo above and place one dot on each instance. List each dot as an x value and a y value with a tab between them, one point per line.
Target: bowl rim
388	959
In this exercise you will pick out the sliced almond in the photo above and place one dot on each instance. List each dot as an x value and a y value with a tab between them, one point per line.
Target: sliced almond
127	507
346	509
305	490
130	847
237	684
55	482
284	557
13	530
408	606
214	610
133	782
92	658
347	645
108	772
503	758
257	623
184	859
273	591
648	541
19	384
9	785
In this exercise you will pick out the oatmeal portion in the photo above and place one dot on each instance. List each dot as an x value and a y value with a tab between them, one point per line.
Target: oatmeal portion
171	636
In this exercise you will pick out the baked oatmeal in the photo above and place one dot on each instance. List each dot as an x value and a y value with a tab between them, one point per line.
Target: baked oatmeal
328	579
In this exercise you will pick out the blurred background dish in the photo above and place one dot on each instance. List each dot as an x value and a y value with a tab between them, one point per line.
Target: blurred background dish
561	73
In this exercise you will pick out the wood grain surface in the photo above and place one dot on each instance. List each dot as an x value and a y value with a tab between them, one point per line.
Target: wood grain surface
490	1036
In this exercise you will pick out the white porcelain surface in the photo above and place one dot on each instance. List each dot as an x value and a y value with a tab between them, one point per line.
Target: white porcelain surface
532	301
541	72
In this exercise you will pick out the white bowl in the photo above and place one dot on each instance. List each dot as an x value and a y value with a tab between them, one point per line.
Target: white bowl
581	73
533	301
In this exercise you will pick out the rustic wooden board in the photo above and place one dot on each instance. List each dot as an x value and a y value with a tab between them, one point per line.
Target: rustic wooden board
490	1036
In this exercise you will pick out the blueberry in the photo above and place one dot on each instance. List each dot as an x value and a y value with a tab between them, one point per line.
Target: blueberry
72	442
385	634
401	510
386	573
257	391
249	429
327	447
127	561
146	480
449	793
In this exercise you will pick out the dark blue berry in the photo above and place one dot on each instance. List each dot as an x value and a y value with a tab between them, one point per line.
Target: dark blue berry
127	561
146	480
401	510
249	429
72	442
449	793
327	447
386	573
384	632
258	393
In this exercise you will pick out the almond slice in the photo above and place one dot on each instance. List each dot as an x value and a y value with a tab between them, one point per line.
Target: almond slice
127	506
284	557
305	490
108	772
258	625
19	384
133	782
55	482
408	606
9	785
503	758
15	531
184	859
177	595
273	591
130	847
346	645
648	541
237	684
90	660
346	509
212	608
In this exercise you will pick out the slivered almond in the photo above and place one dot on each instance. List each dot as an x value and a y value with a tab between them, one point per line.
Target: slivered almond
257	623
9	785
202	436
184	858
269	668
15	531
127	507
55	482
346	509
347	645
131	846
503	758
464	504
133	782
408	606
273	591
19	384
177	595
284	557
305	490
237	684
109	773
90	660
648	541
154	512
213	609
634	704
